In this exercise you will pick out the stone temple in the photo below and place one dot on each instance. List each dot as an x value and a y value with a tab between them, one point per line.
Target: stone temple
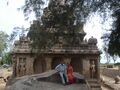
82	58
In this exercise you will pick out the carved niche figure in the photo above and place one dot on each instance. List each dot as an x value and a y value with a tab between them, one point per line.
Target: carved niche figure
22	67
92	69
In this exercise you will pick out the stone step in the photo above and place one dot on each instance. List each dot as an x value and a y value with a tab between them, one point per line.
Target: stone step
96	89
94	85
93	81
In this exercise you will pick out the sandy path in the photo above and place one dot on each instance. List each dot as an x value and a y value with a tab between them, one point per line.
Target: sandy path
104	88
4	73
2	86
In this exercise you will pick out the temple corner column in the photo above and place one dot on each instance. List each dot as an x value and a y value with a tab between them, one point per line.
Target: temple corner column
98	67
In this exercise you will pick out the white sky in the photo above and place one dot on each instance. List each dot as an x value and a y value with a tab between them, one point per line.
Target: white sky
10	18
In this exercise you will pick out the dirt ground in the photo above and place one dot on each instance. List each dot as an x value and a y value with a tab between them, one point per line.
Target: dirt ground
105	88
4	73
2	86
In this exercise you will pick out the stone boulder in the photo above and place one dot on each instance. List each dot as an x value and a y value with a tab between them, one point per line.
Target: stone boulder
46	81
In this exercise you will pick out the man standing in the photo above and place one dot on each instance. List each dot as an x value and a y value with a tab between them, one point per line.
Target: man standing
61	68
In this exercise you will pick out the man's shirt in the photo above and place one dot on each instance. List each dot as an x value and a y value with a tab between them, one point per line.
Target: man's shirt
61	68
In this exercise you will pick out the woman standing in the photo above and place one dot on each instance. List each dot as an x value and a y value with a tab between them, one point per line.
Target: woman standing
70	74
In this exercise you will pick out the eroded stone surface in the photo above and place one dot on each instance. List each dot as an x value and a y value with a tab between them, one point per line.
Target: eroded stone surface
46	81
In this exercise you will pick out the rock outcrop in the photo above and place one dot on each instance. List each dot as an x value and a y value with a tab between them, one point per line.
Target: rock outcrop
46	81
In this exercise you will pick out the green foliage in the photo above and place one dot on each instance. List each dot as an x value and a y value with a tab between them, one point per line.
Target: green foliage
33	6
3	41
81	8
65	18
6	58
17	31
114	39
38	35
113	36
117	64
56	26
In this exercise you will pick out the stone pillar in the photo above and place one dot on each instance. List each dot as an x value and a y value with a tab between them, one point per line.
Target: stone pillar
14	59
17	67
98	67
86	68
48	61
29	65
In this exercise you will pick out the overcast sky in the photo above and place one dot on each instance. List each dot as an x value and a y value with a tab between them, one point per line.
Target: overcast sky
10	17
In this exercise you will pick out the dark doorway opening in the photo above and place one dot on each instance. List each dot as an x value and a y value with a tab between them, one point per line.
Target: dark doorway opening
77	64
56	61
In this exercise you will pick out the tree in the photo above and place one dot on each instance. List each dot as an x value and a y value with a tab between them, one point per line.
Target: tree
77	11
82	7
60	20
6	58
58	25
3	42
113	36
114	39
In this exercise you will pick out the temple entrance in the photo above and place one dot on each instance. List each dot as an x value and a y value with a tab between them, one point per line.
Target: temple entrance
77	64
55	62
39	66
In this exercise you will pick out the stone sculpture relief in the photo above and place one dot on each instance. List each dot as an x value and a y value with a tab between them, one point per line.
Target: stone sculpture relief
92	69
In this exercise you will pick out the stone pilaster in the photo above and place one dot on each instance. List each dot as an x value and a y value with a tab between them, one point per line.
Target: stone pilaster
17	67
48	61
98	68
86	68
14	61
29	66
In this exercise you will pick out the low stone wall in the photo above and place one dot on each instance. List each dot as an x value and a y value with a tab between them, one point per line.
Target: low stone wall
111	72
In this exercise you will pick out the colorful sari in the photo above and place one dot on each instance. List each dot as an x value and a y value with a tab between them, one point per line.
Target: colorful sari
70	74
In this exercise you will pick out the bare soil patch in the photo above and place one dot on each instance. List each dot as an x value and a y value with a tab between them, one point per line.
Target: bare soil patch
4	73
